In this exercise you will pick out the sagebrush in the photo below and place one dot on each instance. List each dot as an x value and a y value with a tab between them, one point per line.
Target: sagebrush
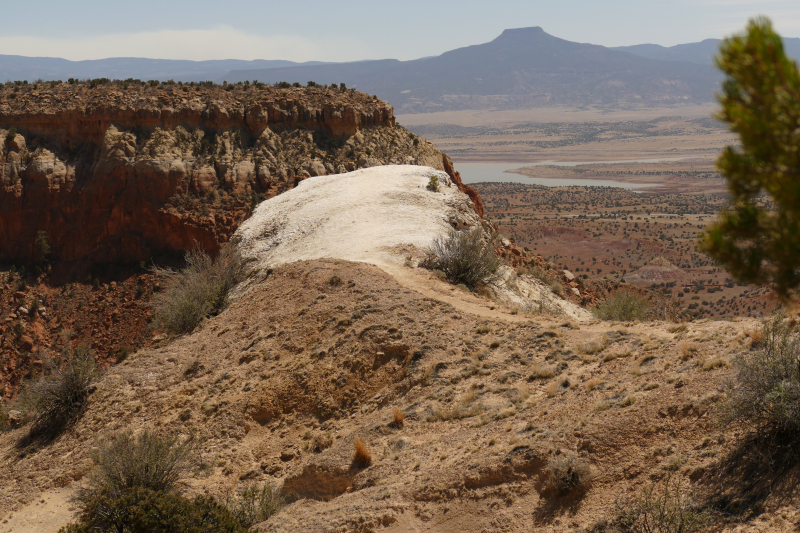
664	509
199	289
765	391
568	473
465	257
60	395
148	460
623	304
254	504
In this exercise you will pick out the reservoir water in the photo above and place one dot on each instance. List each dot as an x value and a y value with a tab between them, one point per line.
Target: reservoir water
496	172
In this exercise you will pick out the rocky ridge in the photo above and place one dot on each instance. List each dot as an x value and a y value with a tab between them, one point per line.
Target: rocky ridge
120	172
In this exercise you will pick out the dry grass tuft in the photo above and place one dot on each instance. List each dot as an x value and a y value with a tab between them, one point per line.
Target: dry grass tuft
615	355
630	400
362	456
592	384
756	338
714	363
689	350
593	348
678	328
541	372
568	473
398	418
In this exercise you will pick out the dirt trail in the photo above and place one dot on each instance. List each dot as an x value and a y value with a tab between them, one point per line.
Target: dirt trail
424	283
50	512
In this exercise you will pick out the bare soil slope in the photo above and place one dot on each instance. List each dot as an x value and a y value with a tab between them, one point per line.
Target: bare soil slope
323	351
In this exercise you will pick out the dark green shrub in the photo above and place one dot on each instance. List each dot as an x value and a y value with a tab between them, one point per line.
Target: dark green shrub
42	246
433	183
758	241
60	395
254	504
199	289
142	510
12	132
765	392
464	257
624	304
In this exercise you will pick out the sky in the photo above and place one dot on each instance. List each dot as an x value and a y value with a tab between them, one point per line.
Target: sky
349	30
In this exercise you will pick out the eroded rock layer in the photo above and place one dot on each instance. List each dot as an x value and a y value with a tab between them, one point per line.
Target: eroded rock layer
118	174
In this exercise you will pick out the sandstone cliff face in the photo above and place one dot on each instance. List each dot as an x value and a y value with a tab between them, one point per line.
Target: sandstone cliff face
113	174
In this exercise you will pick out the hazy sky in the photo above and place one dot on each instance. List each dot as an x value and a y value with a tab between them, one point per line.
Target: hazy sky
343	30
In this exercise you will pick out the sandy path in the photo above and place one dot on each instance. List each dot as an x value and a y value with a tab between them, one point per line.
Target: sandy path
50	512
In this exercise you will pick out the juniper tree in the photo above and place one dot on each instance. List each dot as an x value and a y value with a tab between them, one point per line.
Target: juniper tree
761	103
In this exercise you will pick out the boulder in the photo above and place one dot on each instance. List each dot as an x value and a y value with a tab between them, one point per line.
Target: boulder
316	168
26	343
15	418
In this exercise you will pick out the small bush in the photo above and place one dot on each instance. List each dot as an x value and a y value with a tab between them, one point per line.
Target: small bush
567	473
254	504
558	288
666	510
362	456
126	461
199	289
539	371
765	391
58	397
464	257
398	418
433	183
624	304
141	510
42	246
12	132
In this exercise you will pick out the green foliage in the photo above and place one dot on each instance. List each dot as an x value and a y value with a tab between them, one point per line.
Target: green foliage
255	504
760	103
464	257
12	132
664	510
142	510
42	246
199	289
149	460
765	393
433	183
60	395
623	304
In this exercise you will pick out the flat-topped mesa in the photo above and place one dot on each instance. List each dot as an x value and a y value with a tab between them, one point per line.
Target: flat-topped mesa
111	173
82	113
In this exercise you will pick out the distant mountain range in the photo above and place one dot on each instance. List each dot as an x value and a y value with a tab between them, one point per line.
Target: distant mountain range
53	68
522	67
701	53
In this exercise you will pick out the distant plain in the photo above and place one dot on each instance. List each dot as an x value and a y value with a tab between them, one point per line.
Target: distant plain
646	236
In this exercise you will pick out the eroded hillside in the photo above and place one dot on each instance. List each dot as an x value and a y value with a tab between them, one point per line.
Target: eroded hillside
323	351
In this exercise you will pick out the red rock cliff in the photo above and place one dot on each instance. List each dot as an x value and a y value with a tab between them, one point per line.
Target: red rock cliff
116	173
